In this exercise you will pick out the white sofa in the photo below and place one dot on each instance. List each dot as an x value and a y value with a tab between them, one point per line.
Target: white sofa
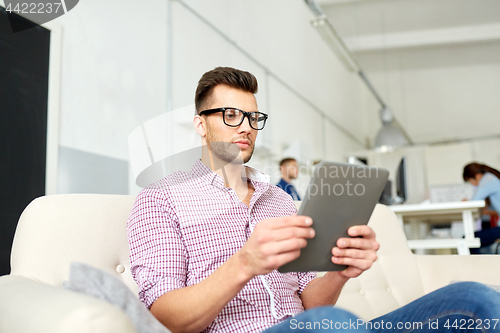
90	228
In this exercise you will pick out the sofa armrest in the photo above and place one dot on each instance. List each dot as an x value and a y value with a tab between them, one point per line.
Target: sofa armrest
437	271
30	306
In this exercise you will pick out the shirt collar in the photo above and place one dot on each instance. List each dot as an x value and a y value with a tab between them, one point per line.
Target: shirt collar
284	181
202	171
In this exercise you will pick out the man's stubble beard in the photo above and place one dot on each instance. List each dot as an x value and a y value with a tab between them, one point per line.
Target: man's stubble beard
226	151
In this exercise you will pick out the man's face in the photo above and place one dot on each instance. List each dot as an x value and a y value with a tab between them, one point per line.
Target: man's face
226	142
291	169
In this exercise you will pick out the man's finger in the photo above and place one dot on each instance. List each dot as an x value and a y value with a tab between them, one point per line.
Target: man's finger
276	235
362	264
295	232
355	253
358	243
288	245
361	230
290	221
284	258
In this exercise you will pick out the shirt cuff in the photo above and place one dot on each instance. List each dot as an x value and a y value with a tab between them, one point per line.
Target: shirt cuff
148	297
304	279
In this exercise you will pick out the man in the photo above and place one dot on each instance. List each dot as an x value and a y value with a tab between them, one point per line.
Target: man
289	170
205	245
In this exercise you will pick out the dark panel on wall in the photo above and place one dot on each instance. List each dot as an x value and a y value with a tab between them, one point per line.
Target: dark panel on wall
24	70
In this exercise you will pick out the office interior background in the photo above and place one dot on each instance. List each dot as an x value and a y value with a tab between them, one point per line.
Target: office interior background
436	63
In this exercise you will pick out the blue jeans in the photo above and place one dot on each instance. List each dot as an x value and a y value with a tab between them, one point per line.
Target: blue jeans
487	237
460	307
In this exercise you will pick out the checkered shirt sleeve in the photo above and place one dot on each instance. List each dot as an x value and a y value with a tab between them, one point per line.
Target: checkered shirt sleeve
157	253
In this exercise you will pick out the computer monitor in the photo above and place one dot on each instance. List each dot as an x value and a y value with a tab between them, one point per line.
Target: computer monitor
402	182
386	196
357	160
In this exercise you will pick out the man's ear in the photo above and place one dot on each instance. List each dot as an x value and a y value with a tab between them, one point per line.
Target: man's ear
199	125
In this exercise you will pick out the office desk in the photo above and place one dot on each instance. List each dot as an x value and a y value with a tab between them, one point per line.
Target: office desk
447	212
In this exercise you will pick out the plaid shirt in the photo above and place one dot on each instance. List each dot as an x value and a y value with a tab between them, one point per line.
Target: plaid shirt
183	227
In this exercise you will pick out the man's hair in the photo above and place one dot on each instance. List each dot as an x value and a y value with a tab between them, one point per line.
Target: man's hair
231	77
287	160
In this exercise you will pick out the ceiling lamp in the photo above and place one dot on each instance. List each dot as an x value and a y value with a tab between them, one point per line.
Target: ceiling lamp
392	134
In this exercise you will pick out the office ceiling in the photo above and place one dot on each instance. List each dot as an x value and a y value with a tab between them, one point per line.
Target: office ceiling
433	61
375	25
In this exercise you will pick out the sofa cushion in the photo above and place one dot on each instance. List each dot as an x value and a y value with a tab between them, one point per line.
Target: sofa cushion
393	280
97	283
34	307
55	230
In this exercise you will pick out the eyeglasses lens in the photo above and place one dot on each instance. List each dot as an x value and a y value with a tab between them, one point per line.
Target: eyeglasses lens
233	117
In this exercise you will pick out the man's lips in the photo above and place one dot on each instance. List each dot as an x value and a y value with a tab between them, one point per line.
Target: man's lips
242	143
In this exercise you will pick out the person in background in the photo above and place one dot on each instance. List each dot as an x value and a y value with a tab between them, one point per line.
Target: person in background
487	183
289	171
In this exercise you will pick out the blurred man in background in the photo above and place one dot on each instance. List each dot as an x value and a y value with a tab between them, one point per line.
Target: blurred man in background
289	171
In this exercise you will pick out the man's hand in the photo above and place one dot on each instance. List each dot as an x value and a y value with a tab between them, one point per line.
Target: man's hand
273	243
359	253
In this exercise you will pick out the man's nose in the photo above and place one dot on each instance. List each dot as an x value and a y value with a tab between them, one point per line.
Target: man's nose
245	126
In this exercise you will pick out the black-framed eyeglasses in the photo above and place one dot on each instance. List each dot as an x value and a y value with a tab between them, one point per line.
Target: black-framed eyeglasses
234	117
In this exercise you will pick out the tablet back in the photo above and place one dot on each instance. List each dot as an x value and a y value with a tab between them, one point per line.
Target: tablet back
339	196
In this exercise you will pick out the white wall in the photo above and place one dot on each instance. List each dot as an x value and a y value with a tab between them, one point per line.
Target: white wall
446	163
115	73
487	152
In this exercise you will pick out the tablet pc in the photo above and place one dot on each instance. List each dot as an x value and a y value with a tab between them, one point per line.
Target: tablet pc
339	196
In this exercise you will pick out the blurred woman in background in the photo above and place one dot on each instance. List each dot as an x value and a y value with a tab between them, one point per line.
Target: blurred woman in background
487	183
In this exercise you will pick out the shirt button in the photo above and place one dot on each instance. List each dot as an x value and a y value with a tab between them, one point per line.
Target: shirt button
362	292
389	289
120	269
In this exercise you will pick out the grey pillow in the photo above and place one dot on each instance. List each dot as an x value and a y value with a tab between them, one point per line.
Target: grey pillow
97	283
